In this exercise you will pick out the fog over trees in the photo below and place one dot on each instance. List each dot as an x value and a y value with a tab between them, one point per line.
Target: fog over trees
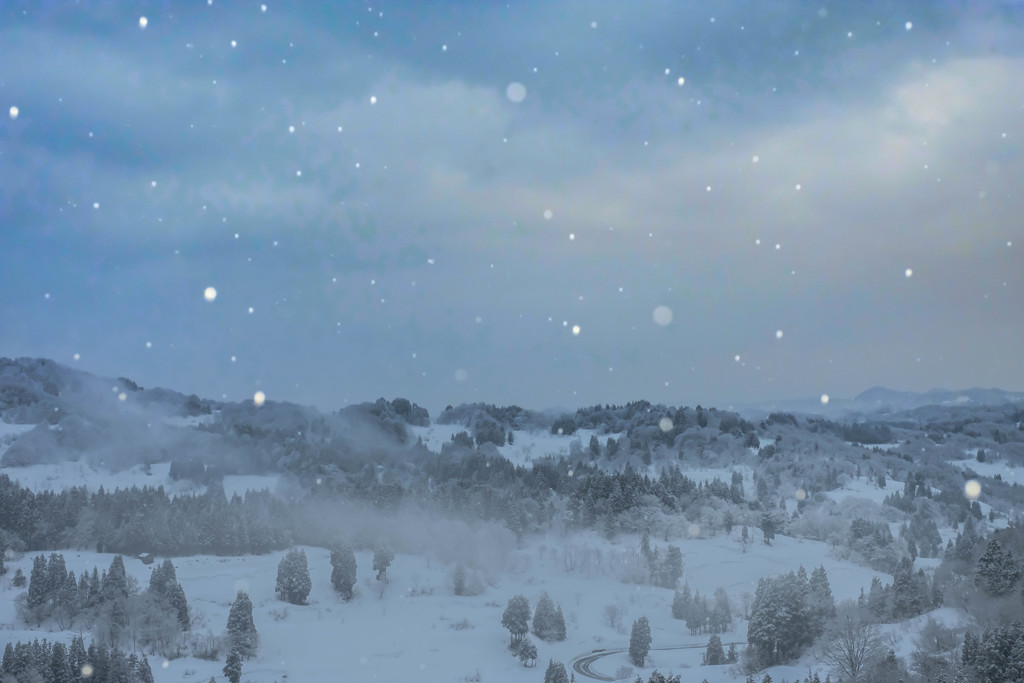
630	494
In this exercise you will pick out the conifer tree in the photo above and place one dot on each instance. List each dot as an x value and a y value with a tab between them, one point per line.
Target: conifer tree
233	667
543	617
60	671
241	628
555	673
714	654
678	606
37	594
176	599
721	614
293	583
640	641
516	618
671	568
142	671
343	570
820	603
19	580
116	582
527	652
459	579
382	558
558	625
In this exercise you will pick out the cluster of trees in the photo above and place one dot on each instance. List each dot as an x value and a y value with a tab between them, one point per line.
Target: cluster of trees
136	520
548	621
109	602
663	571
789	611
548	624
910	594
699	615
997	655
997	572
60	663
715	654
164	587
872	543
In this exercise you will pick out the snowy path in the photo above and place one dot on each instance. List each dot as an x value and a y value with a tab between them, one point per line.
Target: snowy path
582	665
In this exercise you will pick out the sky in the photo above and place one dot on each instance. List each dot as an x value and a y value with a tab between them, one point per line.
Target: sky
546	203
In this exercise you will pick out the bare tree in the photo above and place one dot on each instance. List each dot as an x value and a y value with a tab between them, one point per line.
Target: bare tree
851	646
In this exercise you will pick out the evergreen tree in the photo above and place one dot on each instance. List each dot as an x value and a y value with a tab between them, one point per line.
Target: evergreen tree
878	599
767	527
640	641
671	568
996	573
558	625
37	593
721	614
382	558
516	618
178	603
19	580
116	582
697	615
904	593
343	570
142	671
681	602
714	655
548	621
459	579
233	667
241	628
76	654
60	670
555	673
527	651
293	583
820	604
164	586
162	577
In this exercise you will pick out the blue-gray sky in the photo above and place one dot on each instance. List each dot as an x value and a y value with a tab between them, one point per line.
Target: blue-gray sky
370	181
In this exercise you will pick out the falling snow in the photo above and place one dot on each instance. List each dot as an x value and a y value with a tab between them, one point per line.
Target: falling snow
662	315
515	92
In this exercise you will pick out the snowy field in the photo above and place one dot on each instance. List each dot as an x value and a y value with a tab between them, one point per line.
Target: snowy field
991	468
419	630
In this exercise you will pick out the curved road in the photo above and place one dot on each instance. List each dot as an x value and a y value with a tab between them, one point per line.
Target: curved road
582	665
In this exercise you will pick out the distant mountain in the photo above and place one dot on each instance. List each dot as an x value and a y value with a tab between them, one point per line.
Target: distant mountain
890	399
880	401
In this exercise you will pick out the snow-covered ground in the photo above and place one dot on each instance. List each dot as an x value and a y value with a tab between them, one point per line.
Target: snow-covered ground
991	468
866	488
420	630
9	432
